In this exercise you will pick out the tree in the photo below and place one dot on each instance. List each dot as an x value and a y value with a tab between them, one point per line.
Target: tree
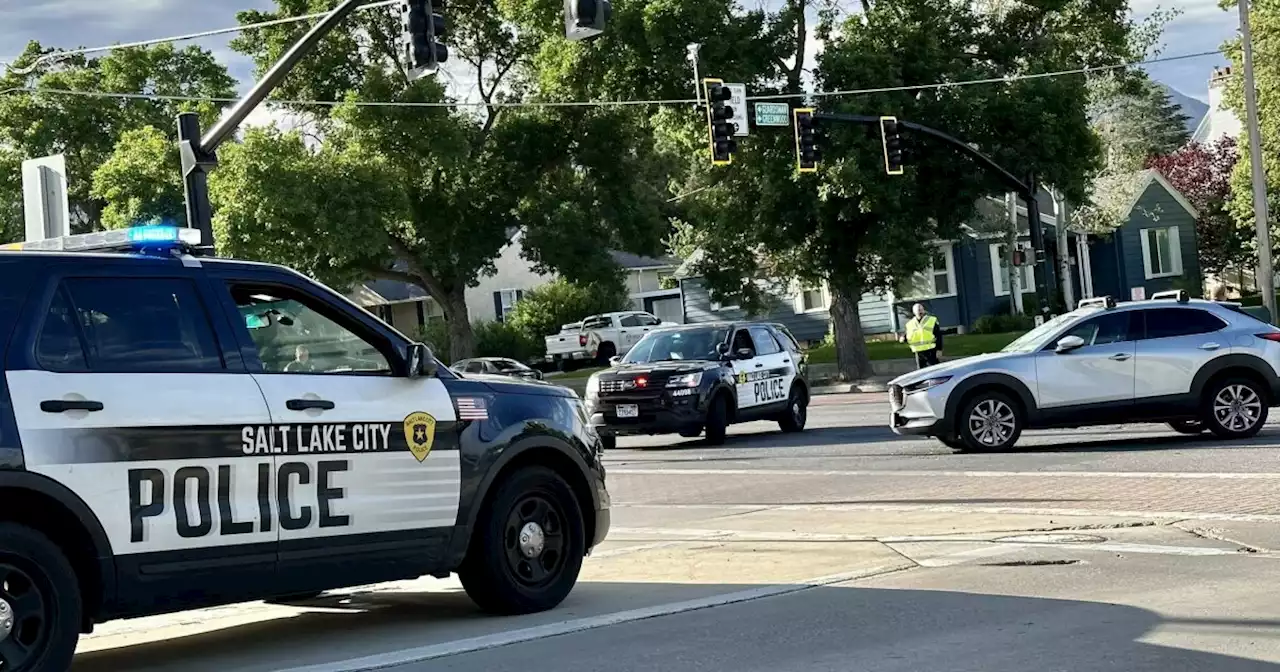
856	228
452	182
1202	173
1136	119
543	310
88	129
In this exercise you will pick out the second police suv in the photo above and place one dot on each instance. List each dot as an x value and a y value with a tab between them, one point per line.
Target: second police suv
697	379
180	431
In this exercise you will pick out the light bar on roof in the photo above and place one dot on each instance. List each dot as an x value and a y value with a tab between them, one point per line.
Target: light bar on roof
136	239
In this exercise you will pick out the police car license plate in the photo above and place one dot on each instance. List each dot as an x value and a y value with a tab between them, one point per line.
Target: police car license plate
628	411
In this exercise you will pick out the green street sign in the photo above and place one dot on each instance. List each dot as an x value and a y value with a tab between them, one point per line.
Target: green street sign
773	114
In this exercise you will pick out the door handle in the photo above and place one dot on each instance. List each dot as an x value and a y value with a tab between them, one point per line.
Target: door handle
759	366
1210	346
1119	357
62	406
308	404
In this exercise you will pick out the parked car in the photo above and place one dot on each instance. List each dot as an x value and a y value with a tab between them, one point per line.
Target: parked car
497	366
602	337
567	350
1196	365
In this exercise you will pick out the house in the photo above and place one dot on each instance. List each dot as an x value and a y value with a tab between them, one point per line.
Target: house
407	307
1220	121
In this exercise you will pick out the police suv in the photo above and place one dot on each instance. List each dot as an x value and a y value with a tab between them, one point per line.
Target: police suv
179	431
701	378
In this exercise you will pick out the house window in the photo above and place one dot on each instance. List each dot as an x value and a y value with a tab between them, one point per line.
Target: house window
716	306
938	280
504	301
811	299
1000	271
1161	252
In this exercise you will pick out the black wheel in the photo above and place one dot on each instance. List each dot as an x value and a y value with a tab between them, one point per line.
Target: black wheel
39	603
564	365
1235	408
527	548
797	413
608	442
1187	426
952	442
989	421
717	420
295	598
605	353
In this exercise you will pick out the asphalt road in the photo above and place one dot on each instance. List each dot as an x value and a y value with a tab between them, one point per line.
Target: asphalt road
841	548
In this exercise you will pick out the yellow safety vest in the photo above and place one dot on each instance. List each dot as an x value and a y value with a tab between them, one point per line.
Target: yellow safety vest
920	333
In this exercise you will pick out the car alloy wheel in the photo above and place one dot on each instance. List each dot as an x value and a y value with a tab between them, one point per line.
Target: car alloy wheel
992	422
1237	408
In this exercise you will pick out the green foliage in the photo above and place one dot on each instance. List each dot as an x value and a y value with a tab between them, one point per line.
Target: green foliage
88	130
435	334
500	339
141	180
544	309
1003	323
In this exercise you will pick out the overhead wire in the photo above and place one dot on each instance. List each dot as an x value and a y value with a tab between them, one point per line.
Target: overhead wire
620	103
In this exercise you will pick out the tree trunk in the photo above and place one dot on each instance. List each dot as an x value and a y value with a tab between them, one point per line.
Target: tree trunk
1064	255
1011	244
462	341
851	346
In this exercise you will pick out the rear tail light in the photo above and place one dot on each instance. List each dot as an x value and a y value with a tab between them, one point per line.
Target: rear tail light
1273	336
582	340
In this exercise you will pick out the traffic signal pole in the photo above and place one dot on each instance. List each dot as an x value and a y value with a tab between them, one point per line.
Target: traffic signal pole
1026	189
199	153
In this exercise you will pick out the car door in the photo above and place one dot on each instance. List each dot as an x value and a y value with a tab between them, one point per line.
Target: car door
630	330
1176	343
1100	372
747	367
135	399
368	480
775	373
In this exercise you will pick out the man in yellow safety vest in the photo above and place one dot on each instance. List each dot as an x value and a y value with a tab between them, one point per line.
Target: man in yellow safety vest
924	336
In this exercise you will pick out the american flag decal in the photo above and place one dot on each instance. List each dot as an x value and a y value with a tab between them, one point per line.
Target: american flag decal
471	408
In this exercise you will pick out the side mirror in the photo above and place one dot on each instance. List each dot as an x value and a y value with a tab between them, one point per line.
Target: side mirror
421	361
614	360
745	353
1069	343
722	349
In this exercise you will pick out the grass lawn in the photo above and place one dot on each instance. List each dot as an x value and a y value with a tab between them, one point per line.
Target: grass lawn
953	346
580	373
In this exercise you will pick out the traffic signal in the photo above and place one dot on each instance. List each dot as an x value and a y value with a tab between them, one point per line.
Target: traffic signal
807	153
424	30
891	139
585	18
719	127
1019	258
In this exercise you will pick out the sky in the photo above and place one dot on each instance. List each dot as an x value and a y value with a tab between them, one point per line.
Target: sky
1202	26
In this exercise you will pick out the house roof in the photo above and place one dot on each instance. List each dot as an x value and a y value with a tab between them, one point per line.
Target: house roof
631	261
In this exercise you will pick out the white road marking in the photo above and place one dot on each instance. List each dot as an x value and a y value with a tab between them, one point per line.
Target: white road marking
949	508
1174	475
404	657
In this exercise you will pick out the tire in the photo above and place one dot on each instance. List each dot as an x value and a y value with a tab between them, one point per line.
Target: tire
1235	408
498	574
43	593
605	353
793	419
952	442
608	442
717	420
989	421
1187	427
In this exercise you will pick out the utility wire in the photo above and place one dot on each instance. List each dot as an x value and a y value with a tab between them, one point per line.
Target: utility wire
59	55
619	103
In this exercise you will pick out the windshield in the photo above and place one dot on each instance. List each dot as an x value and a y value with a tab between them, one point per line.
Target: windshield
1039	337
677	344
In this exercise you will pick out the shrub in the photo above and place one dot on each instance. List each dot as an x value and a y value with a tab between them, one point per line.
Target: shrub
436	335
1002	324
503	339
543	309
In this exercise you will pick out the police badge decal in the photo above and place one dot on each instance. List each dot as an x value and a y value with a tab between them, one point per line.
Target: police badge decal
420	433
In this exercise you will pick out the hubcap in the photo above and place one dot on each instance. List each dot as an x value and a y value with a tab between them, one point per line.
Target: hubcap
535	540
532	540
992	422
1237	408
6	620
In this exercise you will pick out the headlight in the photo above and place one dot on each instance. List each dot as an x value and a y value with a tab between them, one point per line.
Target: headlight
926	384
685	380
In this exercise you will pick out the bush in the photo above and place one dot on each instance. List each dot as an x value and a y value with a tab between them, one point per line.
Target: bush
436	336
543	309
499	339
1003	324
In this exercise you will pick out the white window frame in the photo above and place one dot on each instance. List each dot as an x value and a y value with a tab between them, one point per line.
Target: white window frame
1175	249
507	308
822	289
1027	272
929	274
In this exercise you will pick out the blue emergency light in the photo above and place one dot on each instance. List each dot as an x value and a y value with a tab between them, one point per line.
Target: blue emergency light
143	239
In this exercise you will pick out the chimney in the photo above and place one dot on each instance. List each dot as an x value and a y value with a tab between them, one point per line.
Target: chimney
1216	83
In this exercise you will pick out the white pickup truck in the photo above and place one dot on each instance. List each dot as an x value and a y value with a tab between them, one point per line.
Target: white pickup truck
599	337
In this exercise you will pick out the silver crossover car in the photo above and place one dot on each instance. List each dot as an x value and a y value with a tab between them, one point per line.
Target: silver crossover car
1194	364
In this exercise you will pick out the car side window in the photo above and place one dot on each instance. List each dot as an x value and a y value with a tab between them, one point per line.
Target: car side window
1171	322
596	323
649	321
475	367
1104	329
631	321
294	337
764	342
742	340
128	325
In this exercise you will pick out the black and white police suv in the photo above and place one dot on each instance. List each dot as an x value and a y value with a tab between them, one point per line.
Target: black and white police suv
180	431
701	378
